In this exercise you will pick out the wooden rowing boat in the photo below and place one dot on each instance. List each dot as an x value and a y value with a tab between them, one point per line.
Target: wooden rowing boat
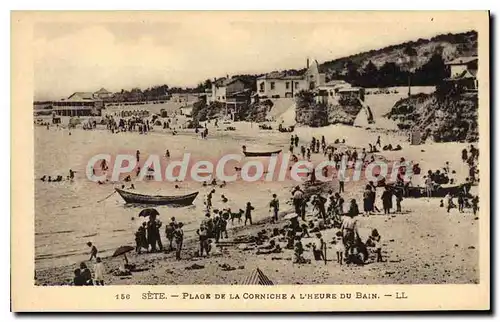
260	154
137	198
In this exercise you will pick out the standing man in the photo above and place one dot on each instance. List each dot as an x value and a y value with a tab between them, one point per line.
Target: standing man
298	196
248	213
341	177
274	205
387	200
428	186
179	238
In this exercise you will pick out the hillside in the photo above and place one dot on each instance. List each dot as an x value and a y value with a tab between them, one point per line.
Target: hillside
444	118
449	46
390	66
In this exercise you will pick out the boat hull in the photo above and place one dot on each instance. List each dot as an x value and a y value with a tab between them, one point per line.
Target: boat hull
261	154
136	198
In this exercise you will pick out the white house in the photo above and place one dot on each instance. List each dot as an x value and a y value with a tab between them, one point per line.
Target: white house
280	85
223	88
463	72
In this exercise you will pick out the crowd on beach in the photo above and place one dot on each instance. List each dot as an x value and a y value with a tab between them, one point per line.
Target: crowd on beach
311	213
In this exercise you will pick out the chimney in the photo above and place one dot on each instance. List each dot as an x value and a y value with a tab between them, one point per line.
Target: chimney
307	63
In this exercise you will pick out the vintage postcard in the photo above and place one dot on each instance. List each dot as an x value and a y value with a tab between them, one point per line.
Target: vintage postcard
250	161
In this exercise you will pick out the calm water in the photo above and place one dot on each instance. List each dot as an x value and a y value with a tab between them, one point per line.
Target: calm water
68	215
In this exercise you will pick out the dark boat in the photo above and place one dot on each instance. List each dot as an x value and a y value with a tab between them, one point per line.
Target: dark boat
260	154
420	192
137	198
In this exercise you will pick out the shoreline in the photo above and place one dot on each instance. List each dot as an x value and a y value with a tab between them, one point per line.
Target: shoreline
161	268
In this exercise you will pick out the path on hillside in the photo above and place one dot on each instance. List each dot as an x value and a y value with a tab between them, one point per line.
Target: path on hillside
283	110
379	104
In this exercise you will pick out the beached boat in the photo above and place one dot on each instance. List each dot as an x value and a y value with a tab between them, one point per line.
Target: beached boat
260	154
440	192
130	197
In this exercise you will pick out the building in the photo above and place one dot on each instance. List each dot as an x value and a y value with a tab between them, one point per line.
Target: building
225	87
282	85
103	94
336	91
186	110
79	104
351	93
184	98
232	92
463	72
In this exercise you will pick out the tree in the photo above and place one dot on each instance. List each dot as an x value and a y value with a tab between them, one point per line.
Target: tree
352	72
431	73
410	54
370	77
309	112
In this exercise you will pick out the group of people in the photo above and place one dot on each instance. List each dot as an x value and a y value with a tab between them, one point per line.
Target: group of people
148	236
348	245
58	178
83	275
133	124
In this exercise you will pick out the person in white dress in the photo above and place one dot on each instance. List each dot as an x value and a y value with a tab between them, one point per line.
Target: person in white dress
99	272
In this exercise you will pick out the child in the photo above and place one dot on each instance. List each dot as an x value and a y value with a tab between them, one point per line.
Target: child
93	251
374	240
318	247
475	204
85	274
298	251
449	202
78	279
339	247
99	272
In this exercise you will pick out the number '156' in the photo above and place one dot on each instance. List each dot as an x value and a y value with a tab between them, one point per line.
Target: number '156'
122	296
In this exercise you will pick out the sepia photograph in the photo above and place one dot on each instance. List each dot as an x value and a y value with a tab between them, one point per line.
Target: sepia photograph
269	149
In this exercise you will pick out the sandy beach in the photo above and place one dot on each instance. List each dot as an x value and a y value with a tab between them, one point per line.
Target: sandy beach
424	244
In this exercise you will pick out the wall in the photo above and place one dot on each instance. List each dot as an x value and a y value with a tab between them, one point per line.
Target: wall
280	87
235	86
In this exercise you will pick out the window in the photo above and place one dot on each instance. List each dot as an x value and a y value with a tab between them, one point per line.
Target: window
287	85
272	85
223	97
261	87
312	85
296	85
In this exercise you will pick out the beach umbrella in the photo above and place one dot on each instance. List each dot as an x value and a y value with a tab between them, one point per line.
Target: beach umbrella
123	250
291	216
148	212
257	277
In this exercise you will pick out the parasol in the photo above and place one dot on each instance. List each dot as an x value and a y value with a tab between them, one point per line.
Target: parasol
148	212
291	216
123	250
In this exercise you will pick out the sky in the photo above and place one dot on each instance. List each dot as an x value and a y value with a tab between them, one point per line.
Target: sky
85	56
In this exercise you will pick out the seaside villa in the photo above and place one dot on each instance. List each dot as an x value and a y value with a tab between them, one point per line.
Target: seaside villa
281	85
233	92
463	73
